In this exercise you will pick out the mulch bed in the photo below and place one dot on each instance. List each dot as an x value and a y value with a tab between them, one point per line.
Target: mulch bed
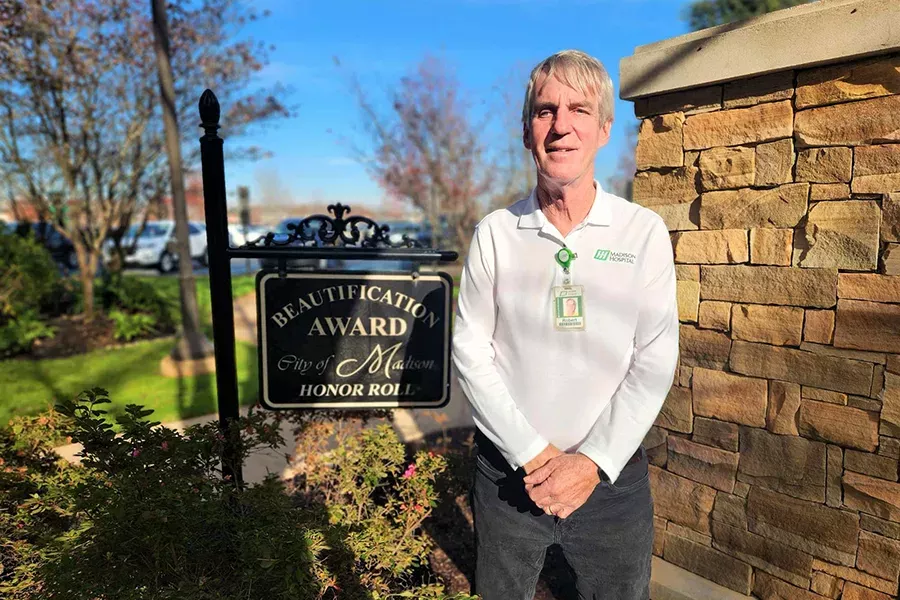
75	335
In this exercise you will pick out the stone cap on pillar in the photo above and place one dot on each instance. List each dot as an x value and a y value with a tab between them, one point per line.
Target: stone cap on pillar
804	36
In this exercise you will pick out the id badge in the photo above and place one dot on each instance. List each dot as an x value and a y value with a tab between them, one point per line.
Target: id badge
568	307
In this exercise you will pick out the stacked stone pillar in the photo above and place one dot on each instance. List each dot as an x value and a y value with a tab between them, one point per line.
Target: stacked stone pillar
775	458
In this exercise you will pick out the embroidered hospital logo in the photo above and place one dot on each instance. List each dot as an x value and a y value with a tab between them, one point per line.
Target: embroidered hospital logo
617	257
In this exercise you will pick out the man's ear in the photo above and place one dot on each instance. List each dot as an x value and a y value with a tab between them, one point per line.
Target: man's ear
526	137
605	130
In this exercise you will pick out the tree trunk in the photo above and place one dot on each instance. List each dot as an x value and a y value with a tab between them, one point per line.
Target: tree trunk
192	343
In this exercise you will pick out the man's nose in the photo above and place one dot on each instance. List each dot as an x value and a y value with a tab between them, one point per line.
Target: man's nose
562	123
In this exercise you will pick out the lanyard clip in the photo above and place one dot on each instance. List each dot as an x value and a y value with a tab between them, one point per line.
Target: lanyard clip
565	257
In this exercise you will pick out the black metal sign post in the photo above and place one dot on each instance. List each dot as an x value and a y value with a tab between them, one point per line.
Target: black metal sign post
328	338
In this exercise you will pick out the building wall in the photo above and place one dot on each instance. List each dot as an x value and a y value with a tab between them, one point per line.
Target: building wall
775	458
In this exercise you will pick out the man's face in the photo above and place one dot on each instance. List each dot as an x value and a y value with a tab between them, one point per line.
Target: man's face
566	132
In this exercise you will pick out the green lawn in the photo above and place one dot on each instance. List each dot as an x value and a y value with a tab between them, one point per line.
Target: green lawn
131	374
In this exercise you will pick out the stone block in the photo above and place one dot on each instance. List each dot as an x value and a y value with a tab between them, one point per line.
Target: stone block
718	434
709	563
727	168
876	169
867	463
853	591
858	124
787	464
811	393
728	397
855	576
705	348
873	496
865	403
777	325
844	82
814	288
784	404
659	536
687	272
890	407
878	383
687	533
679	217
890	259
888	446
656	445
826	585
865	356
869	286
771	246
741	489
810	527
767	587
756	90
818	326
681	500
711	466
842	235
670	187
688	297
797	366
684	376
878	556
676	413
829	191
834	495
763	553
733	127
731	510
893	364
871	326
890	215
715	315
842	425
774	163
711	247
687	101
880	526
782	206
825	165
660	142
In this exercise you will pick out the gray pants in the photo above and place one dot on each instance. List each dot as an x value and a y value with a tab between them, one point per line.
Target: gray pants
608	541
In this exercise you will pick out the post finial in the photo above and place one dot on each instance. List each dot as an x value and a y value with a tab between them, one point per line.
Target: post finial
209	110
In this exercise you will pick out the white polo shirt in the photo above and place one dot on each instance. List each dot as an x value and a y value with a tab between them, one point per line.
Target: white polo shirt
596	391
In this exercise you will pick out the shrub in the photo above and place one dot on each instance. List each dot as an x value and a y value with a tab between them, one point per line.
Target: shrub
28	273
19	333
149	516
130	326
134	296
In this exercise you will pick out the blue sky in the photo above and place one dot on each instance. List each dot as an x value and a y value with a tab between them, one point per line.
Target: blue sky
486	42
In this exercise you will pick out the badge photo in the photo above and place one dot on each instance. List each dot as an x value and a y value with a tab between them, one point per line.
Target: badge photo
568	307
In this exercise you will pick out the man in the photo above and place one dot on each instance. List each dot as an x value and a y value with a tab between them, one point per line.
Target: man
571	308
562	403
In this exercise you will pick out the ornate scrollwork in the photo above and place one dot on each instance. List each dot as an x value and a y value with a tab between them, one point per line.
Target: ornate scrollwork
321	230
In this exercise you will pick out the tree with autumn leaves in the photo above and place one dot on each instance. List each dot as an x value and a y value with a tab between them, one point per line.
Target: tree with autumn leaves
81	128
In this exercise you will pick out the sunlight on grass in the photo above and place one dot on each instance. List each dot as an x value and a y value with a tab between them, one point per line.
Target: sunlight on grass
132	376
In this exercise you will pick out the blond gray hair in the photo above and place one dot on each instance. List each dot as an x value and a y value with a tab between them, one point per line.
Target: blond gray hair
579	71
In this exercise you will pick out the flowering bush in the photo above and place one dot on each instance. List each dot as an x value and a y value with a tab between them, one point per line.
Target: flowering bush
149	515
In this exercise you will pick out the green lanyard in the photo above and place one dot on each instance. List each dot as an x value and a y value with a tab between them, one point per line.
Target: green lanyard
564	258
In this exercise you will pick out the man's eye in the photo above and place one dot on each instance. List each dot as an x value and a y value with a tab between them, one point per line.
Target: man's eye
545	113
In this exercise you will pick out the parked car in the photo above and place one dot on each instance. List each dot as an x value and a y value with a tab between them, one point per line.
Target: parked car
59	246
282	234
156	245
238	235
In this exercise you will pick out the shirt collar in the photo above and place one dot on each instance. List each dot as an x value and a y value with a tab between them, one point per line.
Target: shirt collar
532	216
